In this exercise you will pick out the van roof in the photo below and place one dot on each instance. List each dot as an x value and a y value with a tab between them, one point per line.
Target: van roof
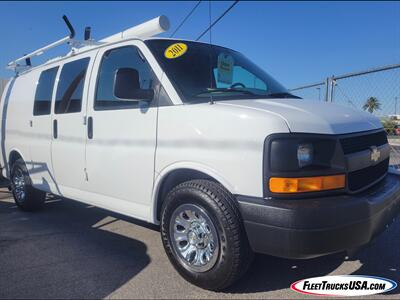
96	46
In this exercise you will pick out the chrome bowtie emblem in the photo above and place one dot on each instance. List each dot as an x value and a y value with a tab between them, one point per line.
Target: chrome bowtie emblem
375	154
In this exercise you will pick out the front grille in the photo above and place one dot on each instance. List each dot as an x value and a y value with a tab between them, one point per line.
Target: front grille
361	178
363	142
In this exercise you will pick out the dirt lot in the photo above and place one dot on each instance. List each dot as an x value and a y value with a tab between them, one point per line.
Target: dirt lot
71	250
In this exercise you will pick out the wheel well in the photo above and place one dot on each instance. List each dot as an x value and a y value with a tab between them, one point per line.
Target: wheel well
173	179
14	155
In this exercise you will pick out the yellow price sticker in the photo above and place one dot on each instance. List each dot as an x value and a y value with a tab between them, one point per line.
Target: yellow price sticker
175	50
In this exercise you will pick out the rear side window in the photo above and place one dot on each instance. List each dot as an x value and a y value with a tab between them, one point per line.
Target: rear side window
44	92
70	87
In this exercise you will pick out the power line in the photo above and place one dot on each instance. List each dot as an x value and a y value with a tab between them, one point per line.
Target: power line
218	19
185	19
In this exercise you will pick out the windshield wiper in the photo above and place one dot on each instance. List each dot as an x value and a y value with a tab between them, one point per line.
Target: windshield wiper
209	91
283	95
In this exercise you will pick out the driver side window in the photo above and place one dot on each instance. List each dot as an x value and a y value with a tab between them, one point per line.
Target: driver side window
119	58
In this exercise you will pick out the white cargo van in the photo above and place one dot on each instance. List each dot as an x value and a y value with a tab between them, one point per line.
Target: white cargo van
200	140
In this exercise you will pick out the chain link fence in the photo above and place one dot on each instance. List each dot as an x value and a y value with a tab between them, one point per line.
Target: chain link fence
375	90
316	91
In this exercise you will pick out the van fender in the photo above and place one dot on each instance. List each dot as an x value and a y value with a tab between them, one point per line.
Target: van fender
160	176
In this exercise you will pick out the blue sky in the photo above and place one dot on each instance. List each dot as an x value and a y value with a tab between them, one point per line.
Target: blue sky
296	42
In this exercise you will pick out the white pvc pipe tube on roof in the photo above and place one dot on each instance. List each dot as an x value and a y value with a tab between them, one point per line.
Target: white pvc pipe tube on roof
147	29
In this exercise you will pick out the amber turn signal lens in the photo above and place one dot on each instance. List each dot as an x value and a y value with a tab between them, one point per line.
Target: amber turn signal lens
306	184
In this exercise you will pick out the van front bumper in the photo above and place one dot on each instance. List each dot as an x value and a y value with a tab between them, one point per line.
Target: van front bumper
306	228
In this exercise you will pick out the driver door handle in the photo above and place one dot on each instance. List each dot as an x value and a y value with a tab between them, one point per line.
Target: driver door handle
90	128
55	129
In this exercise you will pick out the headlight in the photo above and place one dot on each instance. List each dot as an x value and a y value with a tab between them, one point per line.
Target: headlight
298	154
298	163
305	154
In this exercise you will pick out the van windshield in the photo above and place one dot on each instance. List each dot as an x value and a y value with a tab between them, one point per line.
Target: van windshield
200	71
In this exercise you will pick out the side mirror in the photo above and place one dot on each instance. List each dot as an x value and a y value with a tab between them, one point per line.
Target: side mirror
127	86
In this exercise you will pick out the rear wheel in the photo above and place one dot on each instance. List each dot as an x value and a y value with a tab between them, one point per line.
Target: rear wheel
203	234
26	197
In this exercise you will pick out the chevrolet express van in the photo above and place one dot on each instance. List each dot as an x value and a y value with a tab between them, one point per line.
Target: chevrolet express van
200	140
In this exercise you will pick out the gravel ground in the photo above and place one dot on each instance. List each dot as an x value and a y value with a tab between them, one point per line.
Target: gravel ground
72	250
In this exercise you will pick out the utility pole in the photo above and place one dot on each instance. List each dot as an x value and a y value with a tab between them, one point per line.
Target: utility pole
395	105
319	93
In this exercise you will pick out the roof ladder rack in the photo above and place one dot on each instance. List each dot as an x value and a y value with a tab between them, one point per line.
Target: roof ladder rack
13	65
147	29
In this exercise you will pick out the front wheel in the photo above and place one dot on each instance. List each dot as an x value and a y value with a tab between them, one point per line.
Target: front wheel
25	195
203	234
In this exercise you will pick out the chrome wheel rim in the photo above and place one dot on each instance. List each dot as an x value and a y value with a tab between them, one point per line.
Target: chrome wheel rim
194	238
19	185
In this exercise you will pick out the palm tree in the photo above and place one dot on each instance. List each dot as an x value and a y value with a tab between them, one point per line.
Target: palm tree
372	104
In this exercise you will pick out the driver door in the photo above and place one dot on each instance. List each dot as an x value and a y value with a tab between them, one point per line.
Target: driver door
121	139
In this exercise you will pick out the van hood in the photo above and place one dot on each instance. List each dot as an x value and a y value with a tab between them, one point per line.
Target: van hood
308	116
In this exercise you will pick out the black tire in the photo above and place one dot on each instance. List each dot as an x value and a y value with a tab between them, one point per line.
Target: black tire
31	199
234	256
